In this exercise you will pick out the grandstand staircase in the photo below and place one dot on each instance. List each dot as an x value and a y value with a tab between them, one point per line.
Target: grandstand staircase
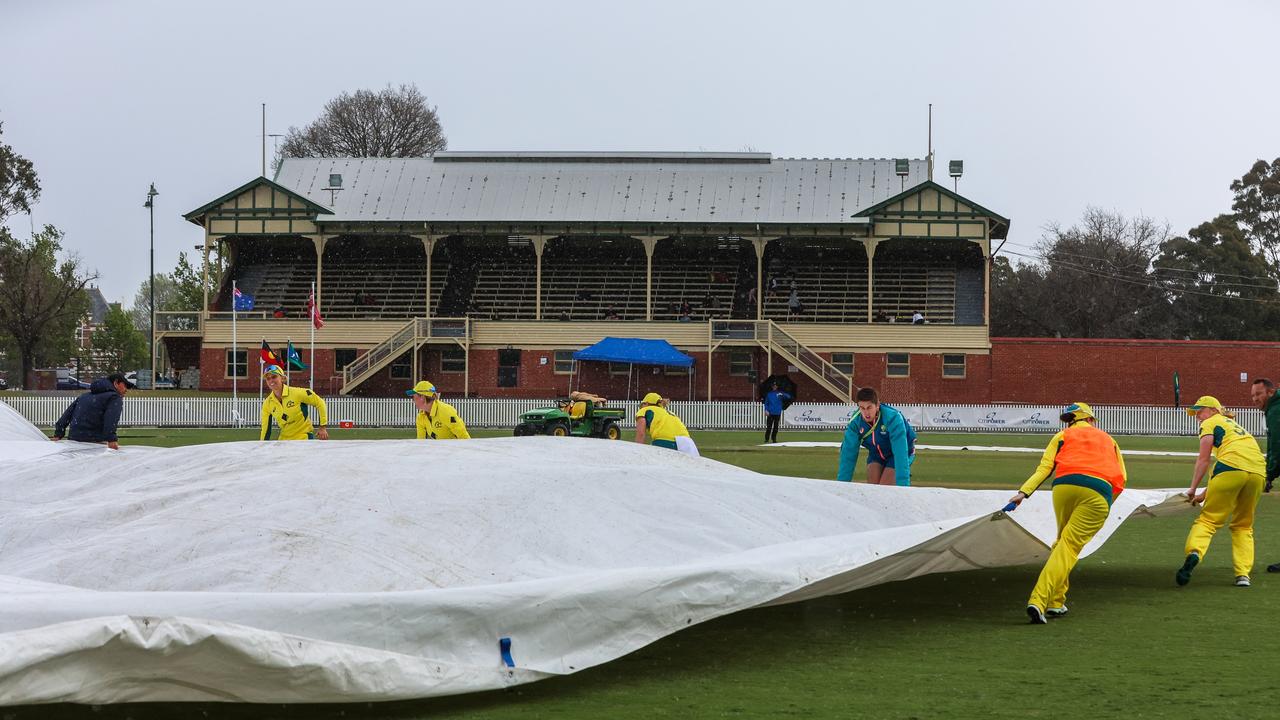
768	335
411	336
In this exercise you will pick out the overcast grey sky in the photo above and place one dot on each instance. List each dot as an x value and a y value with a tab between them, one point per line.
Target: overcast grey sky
1142	107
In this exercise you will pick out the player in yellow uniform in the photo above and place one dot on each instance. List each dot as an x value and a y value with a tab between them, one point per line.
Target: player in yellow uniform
663	428
1234	488
437	419
287	408
1089	474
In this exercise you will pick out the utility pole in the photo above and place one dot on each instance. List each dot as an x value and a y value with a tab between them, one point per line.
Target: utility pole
151	279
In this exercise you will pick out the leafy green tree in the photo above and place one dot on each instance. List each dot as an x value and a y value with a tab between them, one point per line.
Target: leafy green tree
1220	285
188	283
19	186
42	298
118	346
1257	208
167	300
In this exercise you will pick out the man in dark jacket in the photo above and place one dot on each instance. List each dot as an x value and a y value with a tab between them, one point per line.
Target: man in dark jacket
93	416
1266	397
775	401
1268	400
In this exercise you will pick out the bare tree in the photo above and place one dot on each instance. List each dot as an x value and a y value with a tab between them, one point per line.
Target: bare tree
1091	280
394	122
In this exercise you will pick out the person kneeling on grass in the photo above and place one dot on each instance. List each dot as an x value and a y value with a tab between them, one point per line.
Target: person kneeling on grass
888	437
665	429
1234	488
287	408
1089	475
437	419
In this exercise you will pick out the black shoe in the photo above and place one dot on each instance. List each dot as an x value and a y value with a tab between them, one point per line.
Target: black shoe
1036	615
1267	488
1184	573
1273	568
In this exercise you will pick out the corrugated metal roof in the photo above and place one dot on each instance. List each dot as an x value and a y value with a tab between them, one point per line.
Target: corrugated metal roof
599	187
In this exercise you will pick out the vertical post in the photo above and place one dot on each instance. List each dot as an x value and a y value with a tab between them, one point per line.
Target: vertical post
264	139
650	242
768	348
151	280
710	364
759	243
311	320
429	247
985	245
539	244
871	244
204	309
320	241
235	350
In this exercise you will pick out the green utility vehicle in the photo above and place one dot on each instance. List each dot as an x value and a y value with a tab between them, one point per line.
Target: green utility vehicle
581	415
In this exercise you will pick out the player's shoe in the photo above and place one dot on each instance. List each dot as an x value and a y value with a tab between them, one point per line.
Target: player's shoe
1242	581
1057	612
1036	615
1184	573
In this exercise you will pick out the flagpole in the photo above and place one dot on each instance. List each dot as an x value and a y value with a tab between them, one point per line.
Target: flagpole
261	367
235	367
312	359
288	343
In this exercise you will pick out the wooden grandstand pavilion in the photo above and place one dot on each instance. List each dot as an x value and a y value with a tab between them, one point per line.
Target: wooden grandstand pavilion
484	271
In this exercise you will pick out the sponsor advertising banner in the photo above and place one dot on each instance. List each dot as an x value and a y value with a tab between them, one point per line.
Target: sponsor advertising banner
934	417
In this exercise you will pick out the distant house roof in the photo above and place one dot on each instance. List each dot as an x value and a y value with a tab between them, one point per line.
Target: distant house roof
98	306
597	187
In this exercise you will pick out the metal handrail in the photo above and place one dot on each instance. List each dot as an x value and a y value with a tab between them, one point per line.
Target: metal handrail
380	352
814	361
179	321
450	328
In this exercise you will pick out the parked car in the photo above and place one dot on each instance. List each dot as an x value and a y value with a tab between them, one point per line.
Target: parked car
163	382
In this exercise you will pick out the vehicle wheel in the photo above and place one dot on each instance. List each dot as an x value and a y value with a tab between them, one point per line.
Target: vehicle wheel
523	429
612	431
559	430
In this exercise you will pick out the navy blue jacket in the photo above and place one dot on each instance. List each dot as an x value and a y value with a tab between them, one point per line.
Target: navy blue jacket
94	415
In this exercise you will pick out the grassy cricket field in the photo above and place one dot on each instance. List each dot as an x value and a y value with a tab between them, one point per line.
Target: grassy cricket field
942	646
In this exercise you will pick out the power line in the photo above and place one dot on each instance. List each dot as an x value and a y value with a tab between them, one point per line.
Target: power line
1151	283
1269	285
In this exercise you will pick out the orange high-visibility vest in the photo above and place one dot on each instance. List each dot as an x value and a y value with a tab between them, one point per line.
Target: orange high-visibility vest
1086	450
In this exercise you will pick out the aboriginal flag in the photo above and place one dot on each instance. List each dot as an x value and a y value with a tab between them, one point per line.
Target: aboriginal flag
268	355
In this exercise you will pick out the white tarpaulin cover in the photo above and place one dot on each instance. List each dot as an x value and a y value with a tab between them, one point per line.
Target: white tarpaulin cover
353	571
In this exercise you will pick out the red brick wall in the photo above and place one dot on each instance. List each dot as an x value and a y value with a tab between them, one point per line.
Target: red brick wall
1127	372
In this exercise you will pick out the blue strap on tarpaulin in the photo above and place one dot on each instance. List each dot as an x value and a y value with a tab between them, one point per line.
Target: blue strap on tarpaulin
634	350
504	647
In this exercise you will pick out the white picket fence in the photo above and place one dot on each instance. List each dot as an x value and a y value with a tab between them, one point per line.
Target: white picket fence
504	413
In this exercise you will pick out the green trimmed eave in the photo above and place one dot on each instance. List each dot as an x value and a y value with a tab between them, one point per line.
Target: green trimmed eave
197	216
999	223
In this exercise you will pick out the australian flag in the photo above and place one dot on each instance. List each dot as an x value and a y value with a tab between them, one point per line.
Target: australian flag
242	302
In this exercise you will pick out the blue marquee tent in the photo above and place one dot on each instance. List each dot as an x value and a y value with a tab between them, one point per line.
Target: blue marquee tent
636	351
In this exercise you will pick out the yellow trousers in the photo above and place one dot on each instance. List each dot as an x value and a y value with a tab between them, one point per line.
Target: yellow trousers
1232	494
1081	513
